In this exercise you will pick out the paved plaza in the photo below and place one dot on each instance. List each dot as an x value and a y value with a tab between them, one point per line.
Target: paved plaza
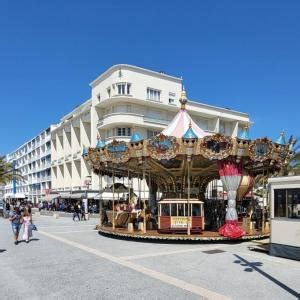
70	260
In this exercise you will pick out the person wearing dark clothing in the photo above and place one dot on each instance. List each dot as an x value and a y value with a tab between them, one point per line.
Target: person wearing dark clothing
83	212
76	212
16	222
7	210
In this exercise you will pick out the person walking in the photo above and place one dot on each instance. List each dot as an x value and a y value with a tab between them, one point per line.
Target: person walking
76	212
83	212
27	220
7	209
16	223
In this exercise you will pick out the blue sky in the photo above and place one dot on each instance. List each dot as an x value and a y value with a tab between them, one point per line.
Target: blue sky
244	55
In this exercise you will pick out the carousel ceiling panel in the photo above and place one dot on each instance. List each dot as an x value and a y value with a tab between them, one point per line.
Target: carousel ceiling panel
171	164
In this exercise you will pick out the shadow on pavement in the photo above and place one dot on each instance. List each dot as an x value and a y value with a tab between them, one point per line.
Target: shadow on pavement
31	240
251	266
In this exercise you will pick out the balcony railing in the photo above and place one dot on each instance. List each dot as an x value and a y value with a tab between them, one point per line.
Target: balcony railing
45	178
127	117
156	120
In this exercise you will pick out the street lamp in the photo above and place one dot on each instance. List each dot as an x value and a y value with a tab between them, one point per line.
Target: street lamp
88	182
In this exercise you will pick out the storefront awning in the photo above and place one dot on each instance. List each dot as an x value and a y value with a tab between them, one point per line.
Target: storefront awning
15	196
65	195
83	194
50	197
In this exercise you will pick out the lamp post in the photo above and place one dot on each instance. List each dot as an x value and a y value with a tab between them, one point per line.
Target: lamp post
85	201
189	152
100	196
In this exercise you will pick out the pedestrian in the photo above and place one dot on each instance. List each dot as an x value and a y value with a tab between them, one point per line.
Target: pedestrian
7	208
27	221
83	212
16	222
76	212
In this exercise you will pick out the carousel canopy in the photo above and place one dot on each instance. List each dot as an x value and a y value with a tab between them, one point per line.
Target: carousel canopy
184	148
182	122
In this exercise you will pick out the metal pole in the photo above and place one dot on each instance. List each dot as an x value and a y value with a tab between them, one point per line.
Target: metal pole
263	208
128	182
149	195
188	201
113	223
100	196
144	187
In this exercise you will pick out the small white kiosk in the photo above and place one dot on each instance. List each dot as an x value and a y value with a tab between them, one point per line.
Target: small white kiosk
284	193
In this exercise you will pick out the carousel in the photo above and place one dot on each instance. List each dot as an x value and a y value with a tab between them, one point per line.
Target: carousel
173	170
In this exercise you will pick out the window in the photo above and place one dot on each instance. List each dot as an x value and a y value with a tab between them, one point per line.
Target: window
98	97
108	92
172	98
165	209
151	133
173	209
222	127
203	123
196	209
153	94
123	131
123	88
287	203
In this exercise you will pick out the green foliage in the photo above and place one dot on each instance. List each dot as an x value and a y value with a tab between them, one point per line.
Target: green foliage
7	172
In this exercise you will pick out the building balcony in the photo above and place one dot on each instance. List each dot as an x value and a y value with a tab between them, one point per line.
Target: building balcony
68	157
46	152
120	118
60	161
46	165
77	155
45	178
151	120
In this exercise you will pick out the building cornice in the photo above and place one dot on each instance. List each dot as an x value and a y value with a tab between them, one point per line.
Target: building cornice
220	109
78	110
133	68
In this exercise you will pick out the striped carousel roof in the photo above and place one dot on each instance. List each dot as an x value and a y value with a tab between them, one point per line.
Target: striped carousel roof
182	121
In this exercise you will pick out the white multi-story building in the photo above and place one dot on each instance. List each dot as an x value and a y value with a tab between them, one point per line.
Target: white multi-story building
126	98
68	138
33	162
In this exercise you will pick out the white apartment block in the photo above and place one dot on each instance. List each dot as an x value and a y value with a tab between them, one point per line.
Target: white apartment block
33	161
69	170
126	98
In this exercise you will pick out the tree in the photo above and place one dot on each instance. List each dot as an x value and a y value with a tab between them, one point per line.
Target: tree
293	167
7	172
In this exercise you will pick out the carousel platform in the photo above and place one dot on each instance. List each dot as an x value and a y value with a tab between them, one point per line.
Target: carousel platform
154	236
